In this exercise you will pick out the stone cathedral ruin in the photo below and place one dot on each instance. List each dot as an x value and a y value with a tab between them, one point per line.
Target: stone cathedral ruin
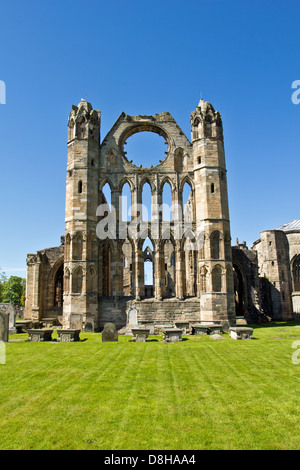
97	273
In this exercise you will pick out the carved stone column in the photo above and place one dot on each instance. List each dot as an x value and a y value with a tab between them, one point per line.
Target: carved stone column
117	270
158	270
180	272
139	271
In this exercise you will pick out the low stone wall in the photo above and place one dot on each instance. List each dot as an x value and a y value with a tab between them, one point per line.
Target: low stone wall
149	311
167	312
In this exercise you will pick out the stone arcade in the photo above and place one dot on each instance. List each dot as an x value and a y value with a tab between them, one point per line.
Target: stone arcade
91	279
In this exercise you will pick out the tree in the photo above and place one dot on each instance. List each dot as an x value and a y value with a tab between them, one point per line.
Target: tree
12	290
3	279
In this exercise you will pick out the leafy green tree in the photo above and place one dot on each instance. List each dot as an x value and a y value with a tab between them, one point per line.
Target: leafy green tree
13	290
3	279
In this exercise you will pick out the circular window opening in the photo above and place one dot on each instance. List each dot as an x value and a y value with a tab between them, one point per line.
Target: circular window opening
146	148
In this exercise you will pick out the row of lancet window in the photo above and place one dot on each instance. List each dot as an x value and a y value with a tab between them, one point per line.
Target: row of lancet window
91	280
146	200
92	247
167	210
83	129
77	247
77	280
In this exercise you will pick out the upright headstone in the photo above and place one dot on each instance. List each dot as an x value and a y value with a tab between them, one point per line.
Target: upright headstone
76	321
4	326
132	317
11	310
109	332
89	323
132	320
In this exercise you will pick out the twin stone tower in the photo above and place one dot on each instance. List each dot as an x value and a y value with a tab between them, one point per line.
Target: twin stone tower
103	257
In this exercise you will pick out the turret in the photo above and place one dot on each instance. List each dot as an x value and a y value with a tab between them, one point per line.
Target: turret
212	215
81	269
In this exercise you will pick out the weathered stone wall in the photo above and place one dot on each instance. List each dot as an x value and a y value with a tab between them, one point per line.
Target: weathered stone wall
42	284
97	280
274	269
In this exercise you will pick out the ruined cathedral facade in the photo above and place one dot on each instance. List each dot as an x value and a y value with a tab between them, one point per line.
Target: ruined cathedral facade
97	273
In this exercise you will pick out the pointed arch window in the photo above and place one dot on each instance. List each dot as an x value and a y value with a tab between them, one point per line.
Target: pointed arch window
167	210
126	203
77	246
296	273
92	246
68	247
187	202
59	287
146	202
82	129
229	279
67	280
203	277
195	128
215	245
91	280
71	129
216	277
77	281
148	251
106	192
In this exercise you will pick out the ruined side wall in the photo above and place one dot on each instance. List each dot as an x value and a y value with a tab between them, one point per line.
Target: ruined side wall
274	269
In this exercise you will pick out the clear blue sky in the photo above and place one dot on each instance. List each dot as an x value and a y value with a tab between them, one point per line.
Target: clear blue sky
145	57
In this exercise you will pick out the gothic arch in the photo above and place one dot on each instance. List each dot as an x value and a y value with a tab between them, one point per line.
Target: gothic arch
216	278
108	181
215	241
68	247
190	266
125	180
144	180
91	280
67	279
77	280
240	288
77	245
92	246
187	179
55	284
165	180
295	270
71	129
203	272
168	248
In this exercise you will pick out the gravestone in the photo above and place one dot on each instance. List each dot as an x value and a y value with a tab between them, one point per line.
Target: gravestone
132	317
4	326
132	320
76	321
36	335
11	310
241	332
140	334
184	325
68	335
89	323
109	333
172	335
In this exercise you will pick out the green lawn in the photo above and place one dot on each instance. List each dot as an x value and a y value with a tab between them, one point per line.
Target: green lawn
200	393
